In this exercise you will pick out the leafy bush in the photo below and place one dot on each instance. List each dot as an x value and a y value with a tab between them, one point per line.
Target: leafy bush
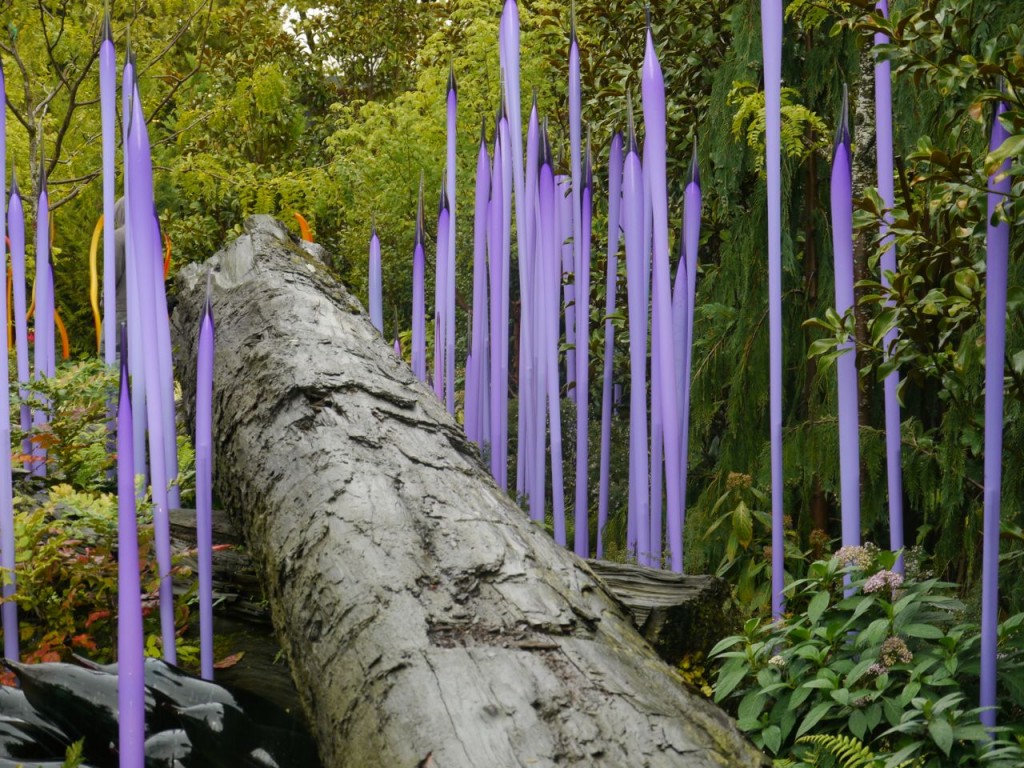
887	659
67	575
66	531
75	434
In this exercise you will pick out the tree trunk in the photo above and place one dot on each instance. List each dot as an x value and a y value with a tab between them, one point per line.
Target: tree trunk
421	611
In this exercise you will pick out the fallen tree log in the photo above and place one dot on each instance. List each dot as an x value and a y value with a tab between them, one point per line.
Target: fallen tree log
422	613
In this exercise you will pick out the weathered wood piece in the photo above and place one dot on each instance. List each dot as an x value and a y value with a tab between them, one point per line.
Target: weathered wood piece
677	614
421	611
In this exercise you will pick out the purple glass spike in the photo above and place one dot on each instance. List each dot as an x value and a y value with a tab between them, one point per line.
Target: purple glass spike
771	43
638	529
655	535
582	523
16	232
375	283
9	610
846	365
165	394
479	331
441	285
528	460
500	442
653	90
144	252
204	482
683	305
133	288
419	310
495	229
449	294
567	289
549	269
398	347
883	148
44	311
508	45
131	692
108	116
614	197
576	148
998	250
575	162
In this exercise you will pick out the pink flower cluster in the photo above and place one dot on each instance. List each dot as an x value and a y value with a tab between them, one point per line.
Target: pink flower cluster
881	580
860	557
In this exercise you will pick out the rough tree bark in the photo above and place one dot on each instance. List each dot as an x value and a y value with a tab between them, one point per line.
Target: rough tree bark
422	613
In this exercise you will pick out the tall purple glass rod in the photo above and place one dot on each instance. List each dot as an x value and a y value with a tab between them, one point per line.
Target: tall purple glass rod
440	295
479	330
375	283
7	541
108	116
449	293
44	309
419	310
509	61
884	161
846	365
684	346
998	239
16	230
204	484
614	196
495	228
499	446
162	318
133	306
582	523
653	90
575	162
548	268
638	529
771	43
145	247
563	218
131	692
530	361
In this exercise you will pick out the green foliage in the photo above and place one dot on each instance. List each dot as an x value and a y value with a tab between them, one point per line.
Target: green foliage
846	751
66	543
865	653
66	527
76	402
803	132
741	537
947	56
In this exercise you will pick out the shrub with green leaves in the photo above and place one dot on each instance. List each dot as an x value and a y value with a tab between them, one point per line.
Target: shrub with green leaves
67	576
887	660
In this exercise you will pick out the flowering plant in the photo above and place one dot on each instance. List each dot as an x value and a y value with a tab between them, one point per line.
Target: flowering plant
885	657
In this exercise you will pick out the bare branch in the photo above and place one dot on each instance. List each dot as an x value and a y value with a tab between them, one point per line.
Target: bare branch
51	46
208	4
194	71
72	194
84	179
13	51
17	115
70	111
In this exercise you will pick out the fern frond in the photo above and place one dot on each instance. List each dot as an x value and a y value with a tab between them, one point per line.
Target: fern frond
848	751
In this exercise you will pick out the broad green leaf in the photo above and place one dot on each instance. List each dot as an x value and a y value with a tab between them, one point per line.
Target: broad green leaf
942	733
817	607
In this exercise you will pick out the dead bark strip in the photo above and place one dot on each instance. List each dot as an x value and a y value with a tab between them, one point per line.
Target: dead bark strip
421	611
